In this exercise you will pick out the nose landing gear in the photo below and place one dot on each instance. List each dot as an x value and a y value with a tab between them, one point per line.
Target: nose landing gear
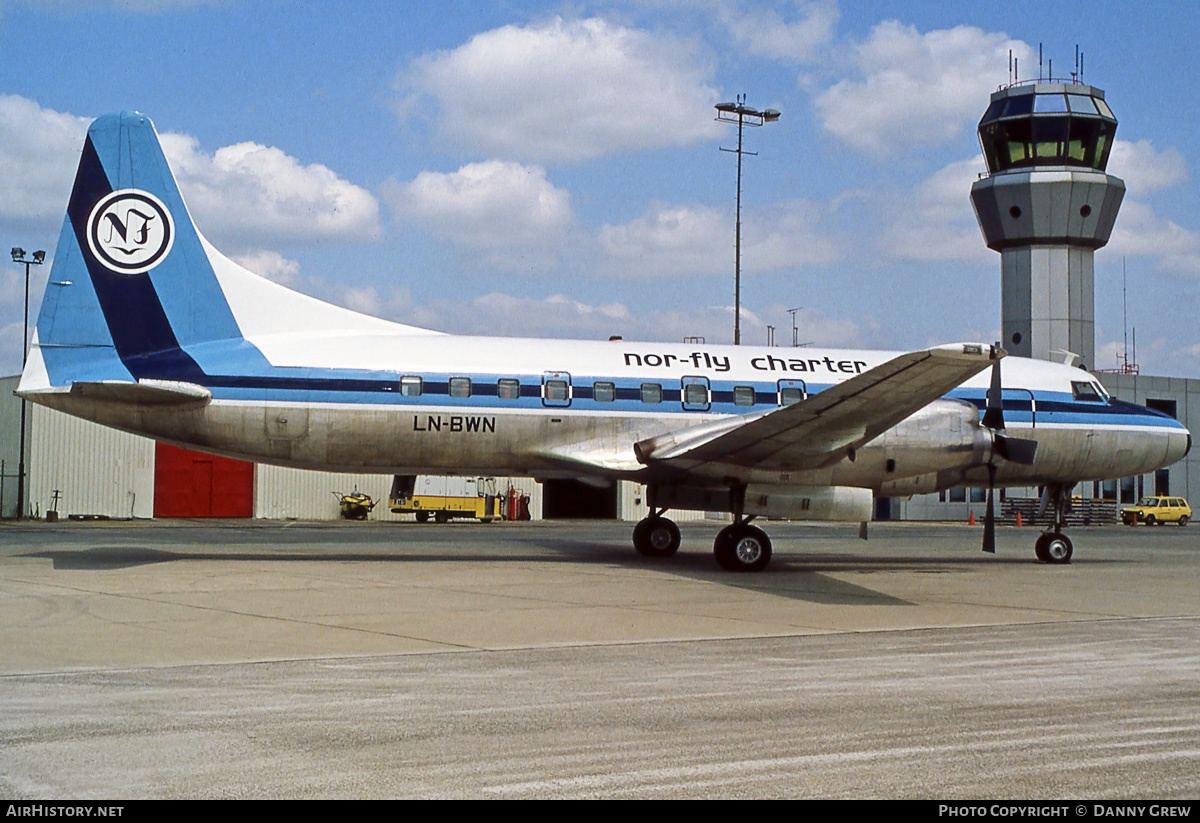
1053	546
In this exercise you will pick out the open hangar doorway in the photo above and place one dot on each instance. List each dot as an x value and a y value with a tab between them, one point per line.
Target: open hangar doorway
573	500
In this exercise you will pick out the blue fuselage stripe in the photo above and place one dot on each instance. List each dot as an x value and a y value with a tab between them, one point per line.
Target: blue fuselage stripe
1051	407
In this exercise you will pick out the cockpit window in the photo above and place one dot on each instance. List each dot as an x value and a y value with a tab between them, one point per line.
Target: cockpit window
1086	392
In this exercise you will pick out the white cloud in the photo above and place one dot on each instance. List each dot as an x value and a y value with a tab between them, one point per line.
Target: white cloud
1141	232
763	31
938	223
916	88
246	191
249	192
271	265
559	316
508	211
39	150
1144	169
565	90
699	240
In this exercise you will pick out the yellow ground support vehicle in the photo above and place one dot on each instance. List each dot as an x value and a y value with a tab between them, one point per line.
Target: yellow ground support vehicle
445	497
1155	510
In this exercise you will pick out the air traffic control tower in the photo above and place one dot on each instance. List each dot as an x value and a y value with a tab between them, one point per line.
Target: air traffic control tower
1046	204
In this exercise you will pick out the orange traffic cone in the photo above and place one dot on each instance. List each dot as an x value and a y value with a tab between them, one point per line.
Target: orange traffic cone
1019	521
971	519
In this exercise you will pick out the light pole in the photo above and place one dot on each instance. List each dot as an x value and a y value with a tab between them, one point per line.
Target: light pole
39	257
738	112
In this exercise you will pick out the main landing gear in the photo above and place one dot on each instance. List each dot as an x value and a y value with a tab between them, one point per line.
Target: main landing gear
742	547
739	547
656	536
1053	546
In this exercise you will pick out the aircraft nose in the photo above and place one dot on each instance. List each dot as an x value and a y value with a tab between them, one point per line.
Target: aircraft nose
1178	446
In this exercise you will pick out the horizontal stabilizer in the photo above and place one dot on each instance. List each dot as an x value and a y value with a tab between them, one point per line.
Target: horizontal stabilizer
144	392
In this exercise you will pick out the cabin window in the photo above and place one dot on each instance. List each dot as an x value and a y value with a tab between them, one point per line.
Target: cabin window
695	394
410	386
651	393
790	396
508	389
604	392
743	395
556	390
1085	392
460	387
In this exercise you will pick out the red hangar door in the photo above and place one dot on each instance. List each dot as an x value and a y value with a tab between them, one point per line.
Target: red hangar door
193	484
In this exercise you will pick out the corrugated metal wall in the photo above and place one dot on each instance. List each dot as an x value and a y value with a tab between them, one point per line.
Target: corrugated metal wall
97	470
10	445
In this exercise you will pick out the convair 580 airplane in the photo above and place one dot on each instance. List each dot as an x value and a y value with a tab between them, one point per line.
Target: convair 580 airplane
148	328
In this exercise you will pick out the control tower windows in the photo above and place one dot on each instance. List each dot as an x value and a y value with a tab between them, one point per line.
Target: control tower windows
1047	129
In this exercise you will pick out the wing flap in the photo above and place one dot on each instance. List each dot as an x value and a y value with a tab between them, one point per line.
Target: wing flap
826	426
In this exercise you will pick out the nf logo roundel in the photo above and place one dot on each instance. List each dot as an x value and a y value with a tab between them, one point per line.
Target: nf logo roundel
130	231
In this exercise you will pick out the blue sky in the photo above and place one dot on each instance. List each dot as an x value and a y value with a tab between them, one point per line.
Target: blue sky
552	169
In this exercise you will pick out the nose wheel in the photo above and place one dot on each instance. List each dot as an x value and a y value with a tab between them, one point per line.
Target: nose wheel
1053	547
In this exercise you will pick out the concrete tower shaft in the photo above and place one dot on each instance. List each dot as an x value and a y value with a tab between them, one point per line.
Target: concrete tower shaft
1046	205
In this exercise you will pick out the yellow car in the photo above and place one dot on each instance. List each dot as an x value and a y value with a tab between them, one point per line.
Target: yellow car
1152	510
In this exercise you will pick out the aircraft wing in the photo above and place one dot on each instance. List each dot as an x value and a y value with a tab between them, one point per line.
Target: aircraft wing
825	427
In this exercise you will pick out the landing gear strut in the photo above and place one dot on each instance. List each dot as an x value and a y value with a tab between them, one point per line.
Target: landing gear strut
1053	546
741	547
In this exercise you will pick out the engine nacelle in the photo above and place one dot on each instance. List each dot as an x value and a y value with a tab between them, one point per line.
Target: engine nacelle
931	446
844	504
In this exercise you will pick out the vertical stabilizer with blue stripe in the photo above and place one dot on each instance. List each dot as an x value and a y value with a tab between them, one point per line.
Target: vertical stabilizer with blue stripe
132	293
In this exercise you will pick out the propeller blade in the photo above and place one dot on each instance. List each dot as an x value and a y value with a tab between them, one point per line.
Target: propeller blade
989	519
993	415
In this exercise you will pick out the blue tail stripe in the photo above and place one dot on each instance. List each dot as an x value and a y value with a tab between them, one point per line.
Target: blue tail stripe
139	327
160	324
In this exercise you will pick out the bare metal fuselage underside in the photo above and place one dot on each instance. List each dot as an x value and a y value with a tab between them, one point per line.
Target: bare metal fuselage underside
940	446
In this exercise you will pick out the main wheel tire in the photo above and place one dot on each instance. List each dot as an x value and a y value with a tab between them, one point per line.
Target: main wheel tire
422	517
656	537
742	548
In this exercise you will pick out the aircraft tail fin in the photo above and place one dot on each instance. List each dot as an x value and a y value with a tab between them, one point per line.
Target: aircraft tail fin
136	292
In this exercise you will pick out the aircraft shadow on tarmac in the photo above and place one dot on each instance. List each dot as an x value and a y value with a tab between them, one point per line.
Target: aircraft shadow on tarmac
801	577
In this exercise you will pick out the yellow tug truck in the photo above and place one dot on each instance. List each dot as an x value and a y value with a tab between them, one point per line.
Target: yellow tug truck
445	497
